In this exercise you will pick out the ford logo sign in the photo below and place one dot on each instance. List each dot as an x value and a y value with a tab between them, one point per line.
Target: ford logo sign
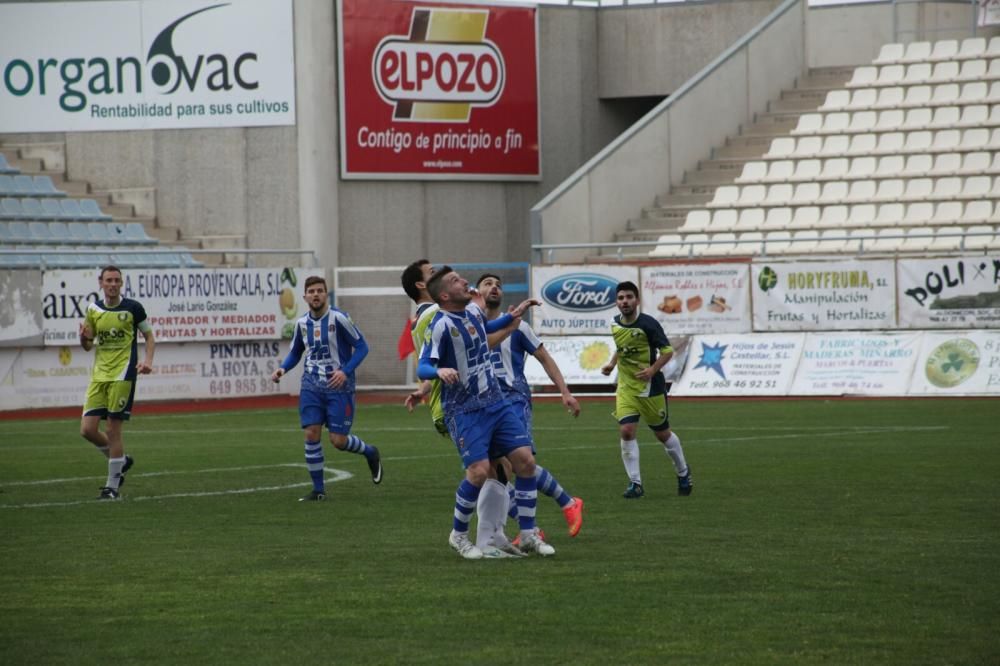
584	292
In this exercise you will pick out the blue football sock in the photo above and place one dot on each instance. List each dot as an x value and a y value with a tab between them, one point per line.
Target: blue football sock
526	496
465	503
548	485
357	445
314	463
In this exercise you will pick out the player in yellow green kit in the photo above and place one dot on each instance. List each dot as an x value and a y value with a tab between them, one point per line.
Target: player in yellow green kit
414	279
111	327
641	351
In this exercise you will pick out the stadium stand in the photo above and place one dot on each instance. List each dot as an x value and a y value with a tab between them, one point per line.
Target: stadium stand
900	156
45	222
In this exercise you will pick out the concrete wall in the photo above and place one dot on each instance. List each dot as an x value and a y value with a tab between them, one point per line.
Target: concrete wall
655	152
650	50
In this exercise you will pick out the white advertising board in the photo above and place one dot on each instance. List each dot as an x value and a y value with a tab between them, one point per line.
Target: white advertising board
20	314
761	364
824	296
581	357
58	376
185	305
958	363
950	292
698	298
140	64
577	300
856	364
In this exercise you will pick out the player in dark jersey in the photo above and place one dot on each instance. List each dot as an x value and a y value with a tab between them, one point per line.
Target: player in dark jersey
641	351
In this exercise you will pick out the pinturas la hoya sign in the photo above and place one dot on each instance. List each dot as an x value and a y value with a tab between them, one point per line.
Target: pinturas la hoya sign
144	65
438	90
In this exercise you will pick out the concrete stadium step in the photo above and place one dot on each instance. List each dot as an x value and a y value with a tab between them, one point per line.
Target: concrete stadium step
743	147
141	199
50	156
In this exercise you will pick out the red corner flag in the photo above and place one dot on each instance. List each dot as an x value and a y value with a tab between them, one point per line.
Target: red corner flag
405	345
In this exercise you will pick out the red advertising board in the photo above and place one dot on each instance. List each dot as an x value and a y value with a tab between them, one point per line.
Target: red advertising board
438	90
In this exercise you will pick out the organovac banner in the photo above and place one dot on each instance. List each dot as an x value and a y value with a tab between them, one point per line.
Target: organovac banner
823	296
98	66
185	305
434	90
950	292
740	364
958	363
698	298
578	300
856	364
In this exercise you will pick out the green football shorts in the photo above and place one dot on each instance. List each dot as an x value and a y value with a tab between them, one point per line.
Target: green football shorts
630	408
110	400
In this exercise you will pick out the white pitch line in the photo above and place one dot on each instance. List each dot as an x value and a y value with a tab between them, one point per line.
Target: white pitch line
338	475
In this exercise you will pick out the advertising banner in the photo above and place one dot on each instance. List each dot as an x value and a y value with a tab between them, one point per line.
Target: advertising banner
824	296
580	359
958	363
185	305
99	66
578	300
21	313
740	365
58	376
856	364
698	298
950	292
438	90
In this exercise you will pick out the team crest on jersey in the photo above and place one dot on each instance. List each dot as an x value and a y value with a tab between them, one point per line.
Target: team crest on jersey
472	330
316	333
455	333
122	316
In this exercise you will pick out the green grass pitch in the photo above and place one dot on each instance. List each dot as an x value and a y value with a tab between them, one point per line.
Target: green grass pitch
819	532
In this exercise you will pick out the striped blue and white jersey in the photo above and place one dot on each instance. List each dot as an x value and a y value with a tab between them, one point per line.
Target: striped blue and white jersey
457	340
329	343
509	357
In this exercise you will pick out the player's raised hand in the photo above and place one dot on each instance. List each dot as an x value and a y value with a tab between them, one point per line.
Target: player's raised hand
523	306
448	375
338	379
276	375
143	368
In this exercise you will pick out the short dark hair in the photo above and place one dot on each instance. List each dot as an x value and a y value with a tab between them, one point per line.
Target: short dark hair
413	274
315	279
434	285
627	285
110	268
489	275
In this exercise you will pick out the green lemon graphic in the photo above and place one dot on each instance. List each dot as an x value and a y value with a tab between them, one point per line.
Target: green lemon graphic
952	362
767	278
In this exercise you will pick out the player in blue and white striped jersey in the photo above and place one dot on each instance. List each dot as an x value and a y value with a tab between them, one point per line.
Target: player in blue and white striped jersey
333	348
508	362
480	420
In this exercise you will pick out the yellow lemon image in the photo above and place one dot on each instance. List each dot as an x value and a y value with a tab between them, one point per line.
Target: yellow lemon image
65	356
952	362
594	355
287	301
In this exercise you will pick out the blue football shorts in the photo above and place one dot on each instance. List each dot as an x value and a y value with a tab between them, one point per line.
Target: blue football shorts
331	408
490	432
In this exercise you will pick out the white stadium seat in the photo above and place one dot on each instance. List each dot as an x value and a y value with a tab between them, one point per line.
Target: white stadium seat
725	195
948	187
805	194
890	165
751	219
836	100
722	244
834	191
723	220
861	121
748	243
975	187
831	240
864	98
976	162
808	169
946	117
916	96
860	240
861	191
861	215
977	212
753	171
978	237
696	220
890	142
780	170
973	70
993	47
917	165
884	241
891	75
777	242
917	214
863	76
805	217
945	239
917	240
917	118
891	53
890	119
945	49
781	147
833	217
862	167
947	213
891	98
669	246
974	91
972	47
890	189
890	215
918	72
974	115
917	51
809	123
834	168
778	195
751	195
778	218
918	141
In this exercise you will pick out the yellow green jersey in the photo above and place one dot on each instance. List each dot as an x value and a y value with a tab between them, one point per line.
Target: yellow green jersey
115	339
638	345
420	332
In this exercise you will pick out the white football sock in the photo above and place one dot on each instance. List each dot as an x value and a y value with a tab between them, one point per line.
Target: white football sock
676	453
630	456
492	512
115	472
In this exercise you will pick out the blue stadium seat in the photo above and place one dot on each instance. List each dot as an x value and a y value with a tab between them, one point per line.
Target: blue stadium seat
19	232
4	233
7	187
188	261
71	210
98	232
91	211
116	233
60	233
79	232
124	259
32	209
44	187
51	210
25	185
136	233
20	260
40	232
10	209
5	166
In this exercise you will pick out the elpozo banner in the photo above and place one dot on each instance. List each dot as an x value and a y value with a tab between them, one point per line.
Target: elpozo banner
185	305
698	298
141	64
824	296
432	90
578	299
950	292
58	376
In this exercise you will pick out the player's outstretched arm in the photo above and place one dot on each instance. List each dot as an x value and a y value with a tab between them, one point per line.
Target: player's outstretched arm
555	374
276	375
523	306
610	365
414	398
